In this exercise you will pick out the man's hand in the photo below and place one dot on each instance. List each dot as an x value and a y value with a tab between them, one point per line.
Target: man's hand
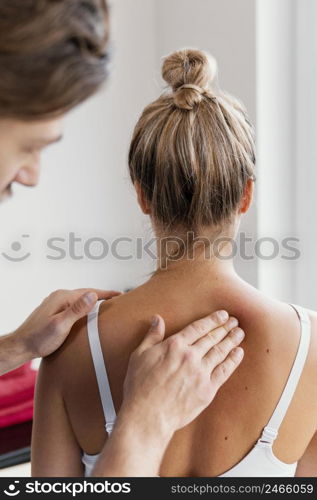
47	327
181	375
168	384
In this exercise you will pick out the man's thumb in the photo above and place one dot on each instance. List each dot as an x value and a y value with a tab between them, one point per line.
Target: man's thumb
80	308
155	334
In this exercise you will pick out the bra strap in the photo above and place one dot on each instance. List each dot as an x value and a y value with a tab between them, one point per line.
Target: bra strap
100	368
271	429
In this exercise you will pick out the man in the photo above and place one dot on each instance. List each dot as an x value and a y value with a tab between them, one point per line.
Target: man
53	55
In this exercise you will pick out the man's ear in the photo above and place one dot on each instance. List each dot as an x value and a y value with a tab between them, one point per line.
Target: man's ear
247	197
142	201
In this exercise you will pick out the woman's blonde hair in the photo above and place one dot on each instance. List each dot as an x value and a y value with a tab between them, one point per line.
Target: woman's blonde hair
192	150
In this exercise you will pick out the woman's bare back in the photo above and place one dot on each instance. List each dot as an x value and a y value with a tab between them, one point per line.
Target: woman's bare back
227	430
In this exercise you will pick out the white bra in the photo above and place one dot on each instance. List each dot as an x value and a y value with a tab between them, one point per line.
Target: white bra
260	461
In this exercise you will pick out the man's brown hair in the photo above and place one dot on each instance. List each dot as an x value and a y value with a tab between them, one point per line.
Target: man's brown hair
53	55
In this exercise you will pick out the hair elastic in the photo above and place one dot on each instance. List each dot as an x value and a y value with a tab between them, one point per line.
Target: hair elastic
192	86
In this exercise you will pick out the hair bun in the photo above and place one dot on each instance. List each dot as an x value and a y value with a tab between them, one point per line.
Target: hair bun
189	73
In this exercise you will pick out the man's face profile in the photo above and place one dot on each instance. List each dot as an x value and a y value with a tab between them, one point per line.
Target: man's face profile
21	144
53	56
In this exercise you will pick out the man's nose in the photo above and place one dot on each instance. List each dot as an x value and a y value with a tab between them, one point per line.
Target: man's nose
28	175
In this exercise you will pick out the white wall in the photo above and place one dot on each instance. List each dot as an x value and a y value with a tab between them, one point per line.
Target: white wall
287	147
84	187
276	140
306	151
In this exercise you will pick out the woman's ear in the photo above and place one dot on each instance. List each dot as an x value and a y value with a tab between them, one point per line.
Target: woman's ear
142	201
247	197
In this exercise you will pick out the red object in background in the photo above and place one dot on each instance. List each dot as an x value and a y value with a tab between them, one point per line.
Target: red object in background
16	396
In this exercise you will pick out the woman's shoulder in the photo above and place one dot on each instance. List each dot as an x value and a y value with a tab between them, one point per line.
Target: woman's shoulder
124	320
117	315
312	316
312	355
309	373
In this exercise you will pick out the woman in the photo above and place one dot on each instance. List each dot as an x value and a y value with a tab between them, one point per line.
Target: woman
192	164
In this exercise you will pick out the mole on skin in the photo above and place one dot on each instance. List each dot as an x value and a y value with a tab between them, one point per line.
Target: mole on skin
267	350
226	437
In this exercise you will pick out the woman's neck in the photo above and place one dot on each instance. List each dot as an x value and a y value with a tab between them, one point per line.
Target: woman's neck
201	262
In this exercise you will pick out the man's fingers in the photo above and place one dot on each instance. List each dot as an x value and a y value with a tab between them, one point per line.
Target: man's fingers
220	351
201	327
203	345
101	294
225	369
77	310
155	335
61	300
